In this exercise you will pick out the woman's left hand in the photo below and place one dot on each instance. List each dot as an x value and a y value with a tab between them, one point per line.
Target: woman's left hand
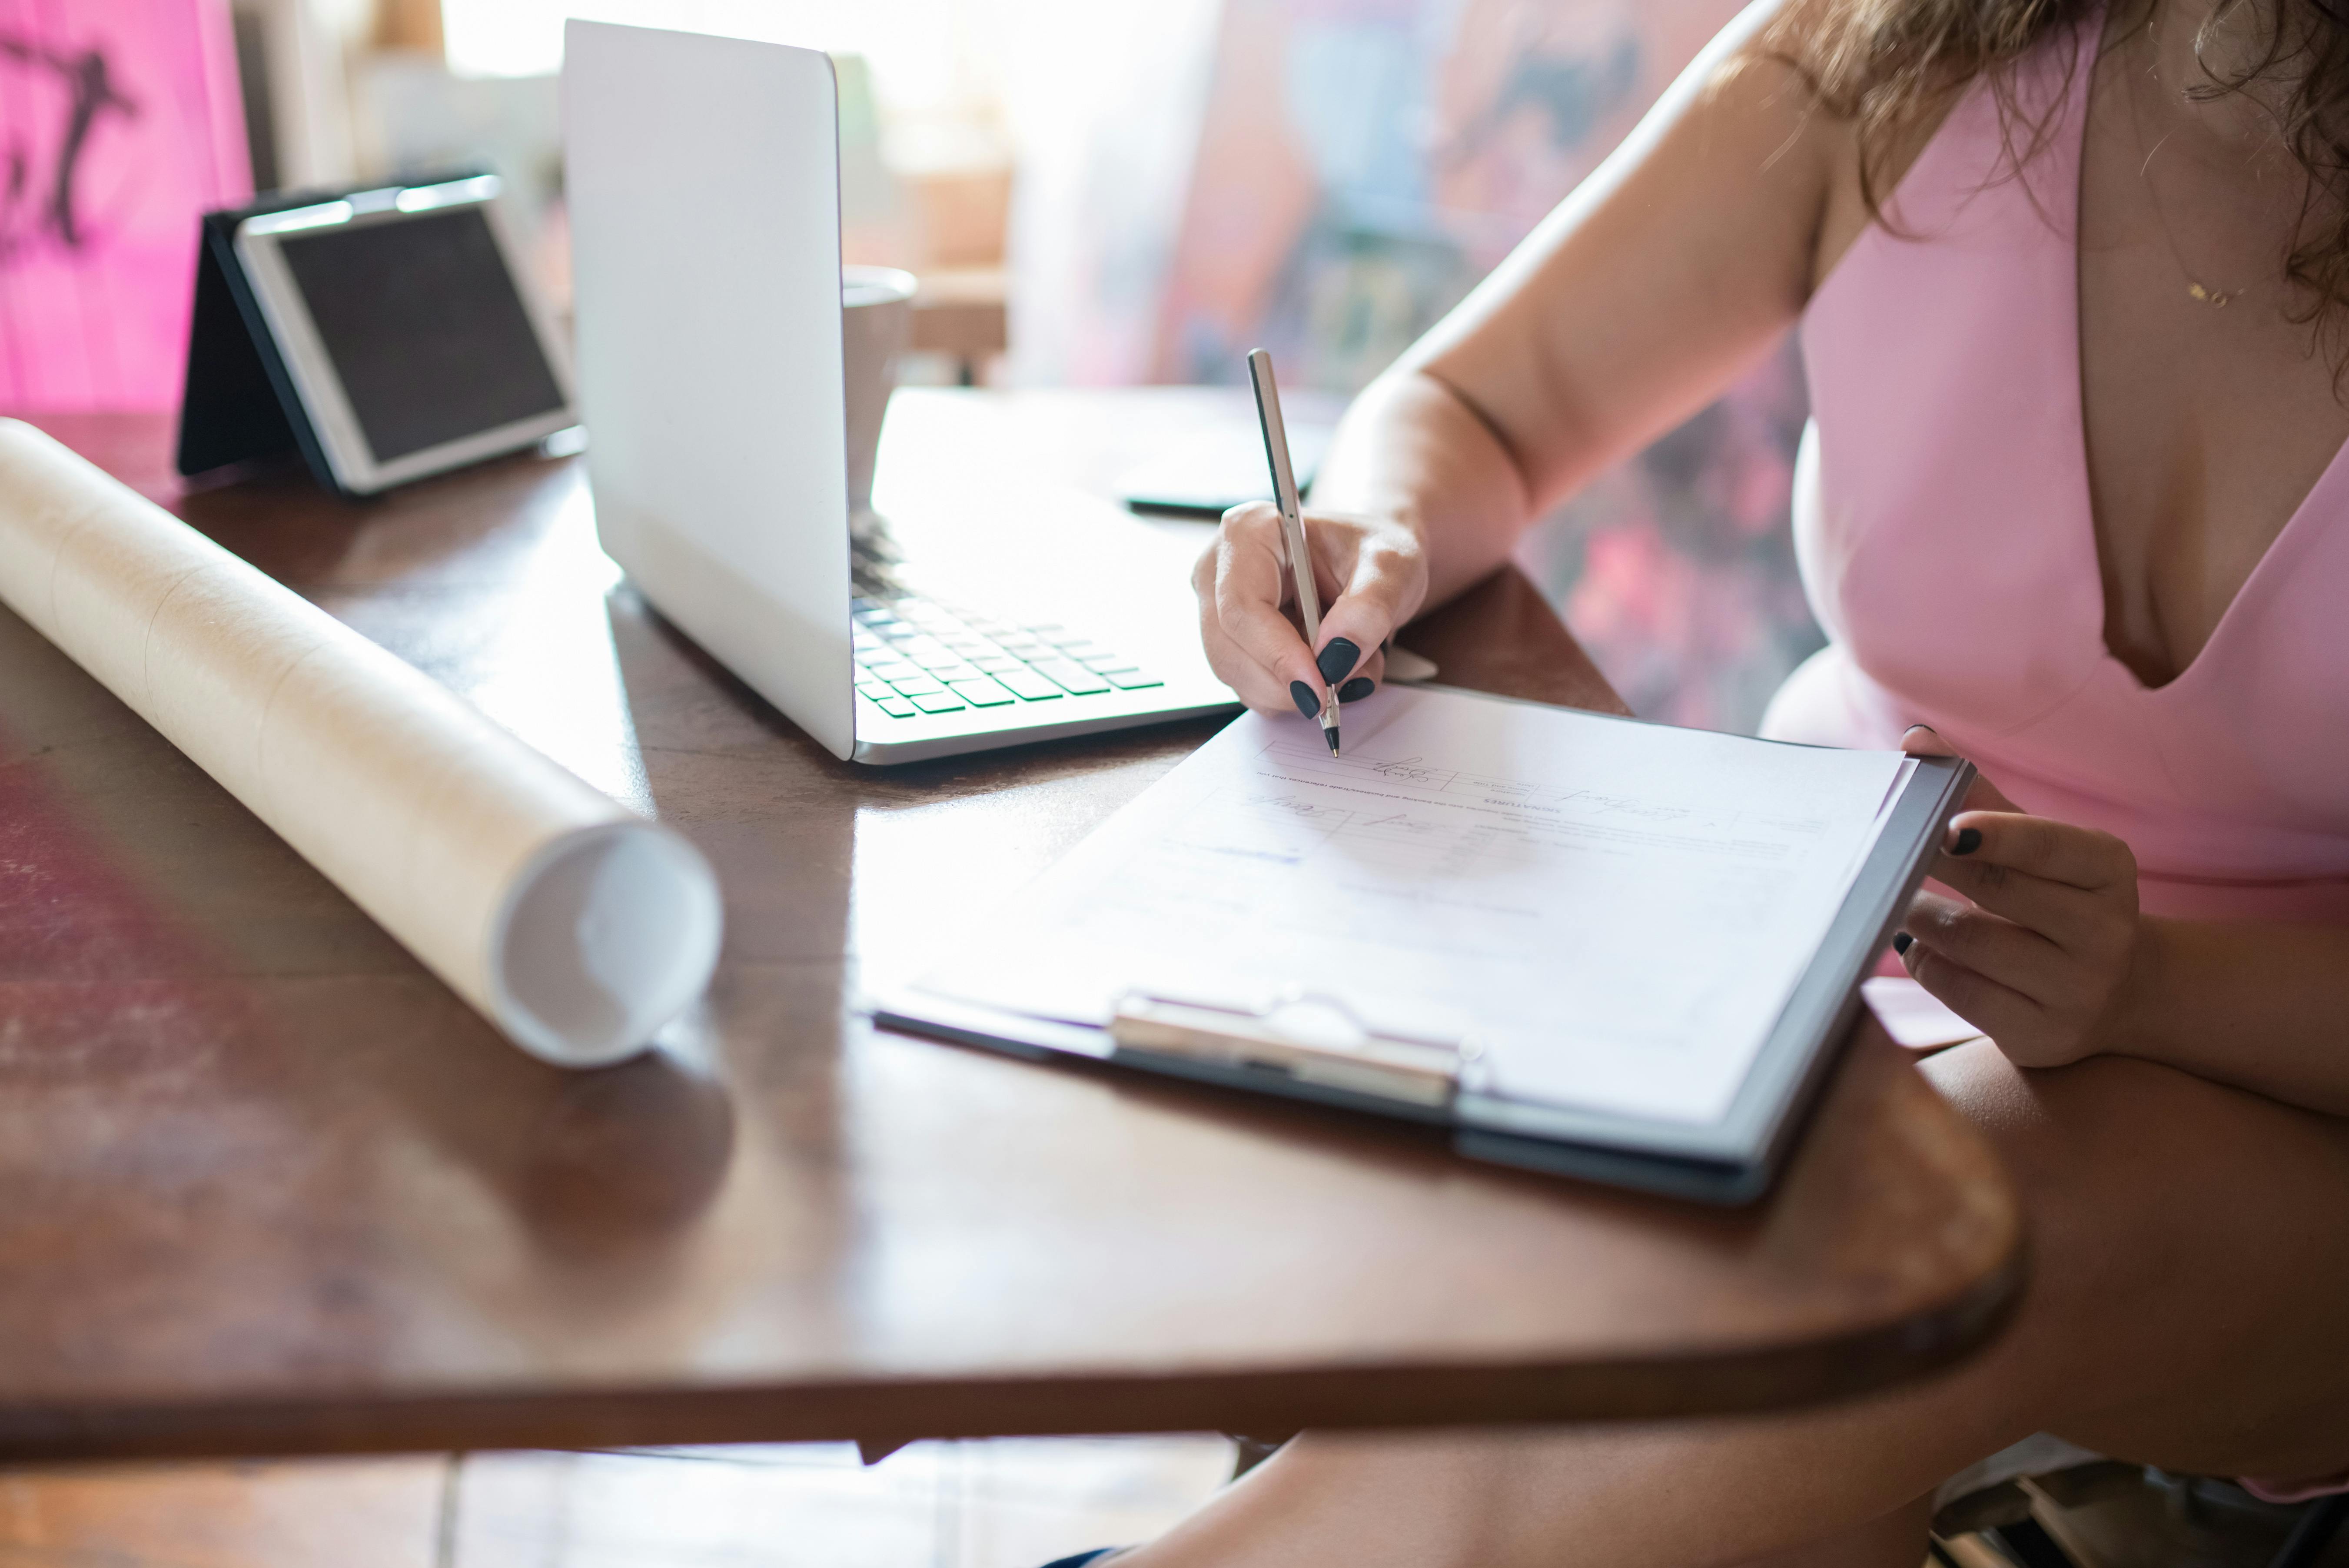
2043	952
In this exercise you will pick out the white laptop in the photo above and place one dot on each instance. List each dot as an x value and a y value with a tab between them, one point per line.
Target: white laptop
702	176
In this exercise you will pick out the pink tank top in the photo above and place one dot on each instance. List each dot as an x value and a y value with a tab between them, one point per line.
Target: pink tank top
1942	524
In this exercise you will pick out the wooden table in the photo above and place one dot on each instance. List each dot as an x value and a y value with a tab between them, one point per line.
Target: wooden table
265	1186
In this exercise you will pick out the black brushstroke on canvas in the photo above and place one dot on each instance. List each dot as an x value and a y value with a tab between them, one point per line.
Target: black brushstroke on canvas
91	92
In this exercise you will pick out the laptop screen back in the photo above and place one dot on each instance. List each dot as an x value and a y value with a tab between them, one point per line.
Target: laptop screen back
702	179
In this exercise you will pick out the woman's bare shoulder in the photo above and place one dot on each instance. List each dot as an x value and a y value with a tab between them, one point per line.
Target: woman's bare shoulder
1791	53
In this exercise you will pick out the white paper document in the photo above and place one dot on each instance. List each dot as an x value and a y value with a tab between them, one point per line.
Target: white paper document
1614	912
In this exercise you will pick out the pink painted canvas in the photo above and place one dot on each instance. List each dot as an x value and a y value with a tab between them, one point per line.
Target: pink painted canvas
119	125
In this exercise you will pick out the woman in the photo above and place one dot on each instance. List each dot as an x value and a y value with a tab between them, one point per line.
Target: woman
2070	284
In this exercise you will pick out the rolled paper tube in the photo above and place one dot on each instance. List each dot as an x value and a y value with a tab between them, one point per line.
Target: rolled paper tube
575	926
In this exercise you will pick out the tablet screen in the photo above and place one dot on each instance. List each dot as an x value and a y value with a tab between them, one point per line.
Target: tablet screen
424	327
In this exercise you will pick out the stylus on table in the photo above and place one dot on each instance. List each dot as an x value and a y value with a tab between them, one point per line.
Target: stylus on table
1292	520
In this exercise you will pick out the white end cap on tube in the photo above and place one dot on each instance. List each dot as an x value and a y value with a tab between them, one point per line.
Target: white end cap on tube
609	933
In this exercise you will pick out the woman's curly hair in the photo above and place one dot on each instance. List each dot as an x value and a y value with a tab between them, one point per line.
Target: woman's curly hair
1882	64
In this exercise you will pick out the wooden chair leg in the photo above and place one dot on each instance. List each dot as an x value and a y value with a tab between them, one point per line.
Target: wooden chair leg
445	1520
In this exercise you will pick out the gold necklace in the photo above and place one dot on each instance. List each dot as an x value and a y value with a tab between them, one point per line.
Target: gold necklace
2196	289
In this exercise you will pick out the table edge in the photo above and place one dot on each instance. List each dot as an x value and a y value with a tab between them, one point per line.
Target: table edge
1749	1379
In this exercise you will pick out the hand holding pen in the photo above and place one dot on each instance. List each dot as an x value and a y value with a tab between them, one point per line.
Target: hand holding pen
1370	574
1364	571
1322	704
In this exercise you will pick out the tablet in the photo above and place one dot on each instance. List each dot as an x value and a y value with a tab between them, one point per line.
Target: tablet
408	330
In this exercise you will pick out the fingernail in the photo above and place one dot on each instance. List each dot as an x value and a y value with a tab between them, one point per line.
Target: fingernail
1358	688
1969	840
1900	941
1302	696
1337	660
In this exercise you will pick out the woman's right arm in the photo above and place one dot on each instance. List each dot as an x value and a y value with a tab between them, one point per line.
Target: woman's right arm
1668	273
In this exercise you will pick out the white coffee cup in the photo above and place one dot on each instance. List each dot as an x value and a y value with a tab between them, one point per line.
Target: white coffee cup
877	321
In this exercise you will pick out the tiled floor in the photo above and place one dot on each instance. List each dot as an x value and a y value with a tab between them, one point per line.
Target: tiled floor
1003	1504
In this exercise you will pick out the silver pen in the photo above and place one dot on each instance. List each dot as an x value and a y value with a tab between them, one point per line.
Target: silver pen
1292	522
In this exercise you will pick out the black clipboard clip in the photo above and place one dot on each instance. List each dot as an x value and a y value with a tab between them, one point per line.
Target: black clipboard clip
1306	1036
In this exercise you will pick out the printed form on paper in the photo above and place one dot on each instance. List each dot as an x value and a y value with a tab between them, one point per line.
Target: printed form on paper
1615	912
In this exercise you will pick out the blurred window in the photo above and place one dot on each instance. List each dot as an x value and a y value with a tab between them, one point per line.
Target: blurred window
925	53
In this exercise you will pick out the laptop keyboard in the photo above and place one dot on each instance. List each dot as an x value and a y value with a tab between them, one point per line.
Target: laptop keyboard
914	655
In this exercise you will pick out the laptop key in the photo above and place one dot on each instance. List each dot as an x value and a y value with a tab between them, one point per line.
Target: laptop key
1074	679
914	655
980	693
1029	685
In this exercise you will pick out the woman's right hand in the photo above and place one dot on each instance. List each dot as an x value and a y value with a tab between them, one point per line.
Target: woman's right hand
1370	574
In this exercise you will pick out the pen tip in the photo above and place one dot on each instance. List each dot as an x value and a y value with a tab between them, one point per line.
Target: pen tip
1331	735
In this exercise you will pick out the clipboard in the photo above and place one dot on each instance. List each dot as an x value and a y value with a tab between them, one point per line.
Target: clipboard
1732	1160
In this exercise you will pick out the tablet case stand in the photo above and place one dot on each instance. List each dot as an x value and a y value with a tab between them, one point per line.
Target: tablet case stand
239	405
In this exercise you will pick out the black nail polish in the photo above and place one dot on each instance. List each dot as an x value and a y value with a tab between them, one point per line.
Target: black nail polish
1358	688
1337	660
1302	696
1900	941
1969	840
